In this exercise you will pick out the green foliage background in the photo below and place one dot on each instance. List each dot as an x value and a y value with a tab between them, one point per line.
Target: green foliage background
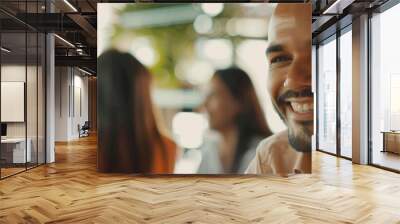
172	43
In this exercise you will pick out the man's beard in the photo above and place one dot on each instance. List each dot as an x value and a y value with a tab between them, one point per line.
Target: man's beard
301	142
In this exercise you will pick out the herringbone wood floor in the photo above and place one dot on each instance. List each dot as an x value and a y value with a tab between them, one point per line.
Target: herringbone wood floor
71	191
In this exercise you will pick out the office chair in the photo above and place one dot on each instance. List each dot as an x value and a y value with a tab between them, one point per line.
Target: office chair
84	130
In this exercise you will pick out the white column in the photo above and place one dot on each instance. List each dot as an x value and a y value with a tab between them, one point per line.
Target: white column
360	90
50	100
50	92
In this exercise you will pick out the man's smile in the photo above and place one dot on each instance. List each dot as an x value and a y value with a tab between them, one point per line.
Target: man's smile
299	108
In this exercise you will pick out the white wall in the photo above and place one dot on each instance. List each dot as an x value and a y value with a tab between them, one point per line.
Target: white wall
70	83
61	103
80	84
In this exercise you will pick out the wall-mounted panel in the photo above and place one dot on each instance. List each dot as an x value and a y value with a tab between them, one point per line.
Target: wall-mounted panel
12	101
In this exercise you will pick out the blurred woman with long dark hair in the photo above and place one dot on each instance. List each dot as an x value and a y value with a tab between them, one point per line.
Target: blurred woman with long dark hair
129	137
235	113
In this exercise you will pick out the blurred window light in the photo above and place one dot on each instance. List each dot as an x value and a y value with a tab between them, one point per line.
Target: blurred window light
189	163
146	55
141	48
105	24
203	24
212	9
250	55
177	98
247	27
188	129
230	27
159	16
195	72
253	4
218	51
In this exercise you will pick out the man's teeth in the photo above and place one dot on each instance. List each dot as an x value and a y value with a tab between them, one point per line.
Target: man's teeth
302	107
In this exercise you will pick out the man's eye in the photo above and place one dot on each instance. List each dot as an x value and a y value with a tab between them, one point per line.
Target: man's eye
279	59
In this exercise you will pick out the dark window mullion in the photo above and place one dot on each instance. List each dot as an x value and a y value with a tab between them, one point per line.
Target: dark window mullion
26	86
317	97
37	90
338	74
0	95
369	100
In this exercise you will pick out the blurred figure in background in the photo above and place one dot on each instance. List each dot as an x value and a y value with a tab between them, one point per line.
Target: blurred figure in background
129	139
235	113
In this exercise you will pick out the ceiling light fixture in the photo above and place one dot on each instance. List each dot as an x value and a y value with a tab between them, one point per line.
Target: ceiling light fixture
70	5
331	7
337	7
5	50
84	71
64	40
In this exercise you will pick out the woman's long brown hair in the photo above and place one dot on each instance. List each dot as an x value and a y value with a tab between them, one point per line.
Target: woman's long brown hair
128	134
250	121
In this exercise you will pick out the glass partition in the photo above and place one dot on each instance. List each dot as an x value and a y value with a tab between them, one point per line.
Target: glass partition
14	151
22	78
31	100
327	96
346	94
385	89
41	91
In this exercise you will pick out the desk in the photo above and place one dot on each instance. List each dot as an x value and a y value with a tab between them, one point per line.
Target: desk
391	141
13	150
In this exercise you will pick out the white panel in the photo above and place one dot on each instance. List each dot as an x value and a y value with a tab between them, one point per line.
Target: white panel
12	101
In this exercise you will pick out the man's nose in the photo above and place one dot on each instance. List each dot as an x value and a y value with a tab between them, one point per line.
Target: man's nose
299	74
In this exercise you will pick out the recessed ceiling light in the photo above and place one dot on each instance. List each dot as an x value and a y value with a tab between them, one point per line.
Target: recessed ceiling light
64	40
337	7
84	71
5	50
70	5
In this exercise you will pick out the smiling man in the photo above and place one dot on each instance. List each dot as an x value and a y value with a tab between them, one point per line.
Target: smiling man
289	84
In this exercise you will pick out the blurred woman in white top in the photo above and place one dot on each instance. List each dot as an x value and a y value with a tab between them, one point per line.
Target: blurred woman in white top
235	114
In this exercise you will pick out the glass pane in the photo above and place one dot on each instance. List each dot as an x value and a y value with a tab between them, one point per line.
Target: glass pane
23	90
31	88
41	99
31	97
314	87
13	86
346	94
327	97
385	89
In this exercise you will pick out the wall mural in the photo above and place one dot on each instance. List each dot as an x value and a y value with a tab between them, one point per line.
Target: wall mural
204	88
